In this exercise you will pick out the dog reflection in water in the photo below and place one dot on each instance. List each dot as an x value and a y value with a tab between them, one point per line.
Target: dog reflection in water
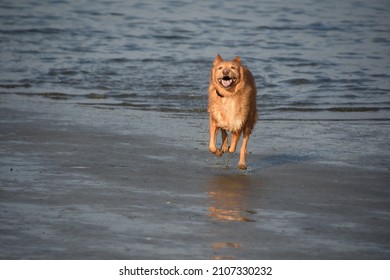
229	203
228	197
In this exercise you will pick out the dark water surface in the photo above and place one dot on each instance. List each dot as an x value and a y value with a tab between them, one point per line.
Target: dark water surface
311	59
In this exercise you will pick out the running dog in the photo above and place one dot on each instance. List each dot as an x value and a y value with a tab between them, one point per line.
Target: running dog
231	106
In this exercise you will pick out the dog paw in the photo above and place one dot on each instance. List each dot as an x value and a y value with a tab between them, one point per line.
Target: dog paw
225	149
242	166
218	153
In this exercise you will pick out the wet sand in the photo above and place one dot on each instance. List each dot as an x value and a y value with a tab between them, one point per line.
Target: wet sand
80	182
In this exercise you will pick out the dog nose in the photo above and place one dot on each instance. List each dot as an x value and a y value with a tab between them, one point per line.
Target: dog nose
225	72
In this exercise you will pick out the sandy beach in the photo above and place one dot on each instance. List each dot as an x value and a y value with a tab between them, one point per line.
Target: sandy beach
88	182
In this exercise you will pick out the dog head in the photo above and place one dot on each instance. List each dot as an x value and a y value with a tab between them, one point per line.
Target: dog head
226	75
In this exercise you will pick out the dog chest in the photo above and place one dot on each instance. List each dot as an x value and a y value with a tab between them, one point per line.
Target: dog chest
229	116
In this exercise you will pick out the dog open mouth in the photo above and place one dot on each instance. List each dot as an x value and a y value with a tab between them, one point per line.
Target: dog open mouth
227	81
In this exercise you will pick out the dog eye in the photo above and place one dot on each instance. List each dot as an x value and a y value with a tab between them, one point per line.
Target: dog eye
219	68
233	67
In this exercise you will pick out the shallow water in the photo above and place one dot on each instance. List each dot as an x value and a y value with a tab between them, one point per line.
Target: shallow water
311	59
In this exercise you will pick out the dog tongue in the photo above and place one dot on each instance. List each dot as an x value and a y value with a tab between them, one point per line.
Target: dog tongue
226	83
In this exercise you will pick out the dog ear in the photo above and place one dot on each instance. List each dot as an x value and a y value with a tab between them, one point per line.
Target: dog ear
242	82
218	59
237	59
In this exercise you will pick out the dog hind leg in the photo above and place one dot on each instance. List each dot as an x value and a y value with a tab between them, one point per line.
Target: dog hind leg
233	144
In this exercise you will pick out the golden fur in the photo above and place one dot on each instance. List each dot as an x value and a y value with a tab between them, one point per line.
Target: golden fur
232	106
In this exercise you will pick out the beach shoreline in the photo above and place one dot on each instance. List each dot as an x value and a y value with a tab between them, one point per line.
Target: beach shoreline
79	182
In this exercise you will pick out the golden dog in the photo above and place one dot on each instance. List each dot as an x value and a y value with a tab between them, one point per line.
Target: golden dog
232	106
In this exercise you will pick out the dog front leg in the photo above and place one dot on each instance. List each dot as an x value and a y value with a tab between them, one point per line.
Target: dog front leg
225	144
213	139
242	162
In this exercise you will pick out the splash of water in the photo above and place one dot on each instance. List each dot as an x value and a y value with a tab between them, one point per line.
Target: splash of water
248	170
